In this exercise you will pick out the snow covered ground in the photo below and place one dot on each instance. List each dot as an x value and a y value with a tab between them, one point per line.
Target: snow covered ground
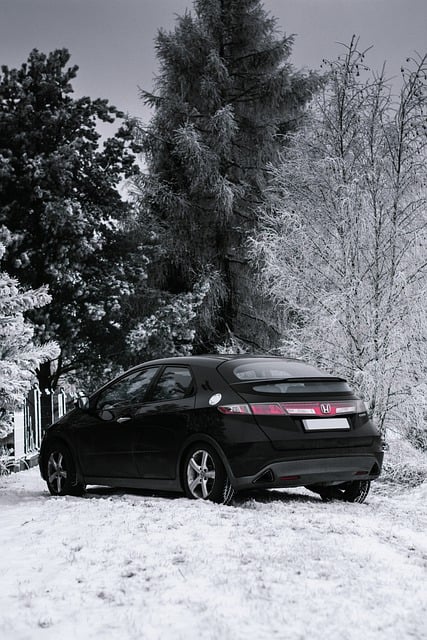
275	565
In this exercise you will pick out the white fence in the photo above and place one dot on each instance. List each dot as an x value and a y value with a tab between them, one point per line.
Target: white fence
37	412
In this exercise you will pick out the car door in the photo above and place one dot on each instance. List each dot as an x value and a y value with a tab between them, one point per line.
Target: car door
106	432
163	422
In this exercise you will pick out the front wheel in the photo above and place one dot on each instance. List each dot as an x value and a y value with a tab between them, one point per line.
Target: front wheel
5	468
61	472
205	476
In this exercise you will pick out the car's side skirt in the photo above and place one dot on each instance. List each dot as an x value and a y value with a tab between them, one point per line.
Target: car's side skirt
136	483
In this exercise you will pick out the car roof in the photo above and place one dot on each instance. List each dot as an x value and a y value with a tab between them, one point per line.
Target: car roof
217	359
224	363
214	358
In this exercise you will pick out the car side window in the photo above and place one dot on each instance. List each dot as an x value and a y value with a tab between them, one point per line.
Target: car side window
173	384
127	390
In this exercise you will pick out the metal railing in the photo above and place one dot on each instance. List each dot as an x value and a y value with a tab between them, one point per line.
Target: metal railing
38	411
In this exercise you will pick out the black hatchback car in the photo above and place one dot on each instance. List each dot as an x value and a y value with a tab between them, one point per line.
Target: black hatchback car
214	425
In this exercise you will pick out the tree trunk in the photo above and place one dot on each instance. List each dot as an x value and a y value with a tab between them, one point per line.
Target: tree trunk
45	377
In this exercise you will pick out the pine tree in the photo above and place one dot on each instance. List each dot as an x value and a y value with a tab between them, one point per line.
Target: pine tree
19	356
59	197
225	95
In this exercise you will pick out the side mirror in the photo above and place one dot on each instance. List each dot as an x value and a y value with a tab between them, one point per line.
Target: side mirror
83	402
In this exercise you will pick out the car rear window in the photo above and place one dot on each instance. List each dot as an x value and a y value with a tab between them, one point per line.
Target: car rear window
276	376
270	369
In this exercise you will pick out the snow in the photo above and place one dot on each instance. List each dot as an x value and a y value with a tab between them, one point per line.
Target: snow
280	564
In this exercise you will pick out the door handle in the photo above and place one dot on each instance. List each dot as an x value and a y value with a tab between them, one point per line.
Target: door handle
123	419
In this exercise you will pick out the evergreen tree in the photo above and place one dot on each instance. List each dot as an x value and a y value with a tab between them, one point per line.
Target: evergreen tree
225	96
19	356
58	196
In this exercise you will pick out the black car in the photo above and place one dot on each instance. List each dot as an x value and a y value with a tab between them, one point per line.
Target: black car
214	425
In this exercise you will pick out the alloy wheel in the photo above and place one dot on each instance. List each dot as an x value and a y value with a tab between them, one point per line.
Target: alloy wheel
56	471
201	474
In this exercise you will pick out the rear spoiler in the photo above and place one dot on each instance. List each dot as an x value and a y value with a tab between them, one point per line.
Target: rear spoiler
248	384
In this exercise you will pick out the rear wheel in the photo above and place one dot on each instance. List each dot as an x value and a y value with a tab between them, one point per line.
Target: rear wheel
205	476
61	472
355	491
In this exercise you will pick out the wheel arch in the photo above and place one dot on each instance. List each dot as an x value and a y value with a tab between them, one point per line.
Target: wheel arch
58	438
202	438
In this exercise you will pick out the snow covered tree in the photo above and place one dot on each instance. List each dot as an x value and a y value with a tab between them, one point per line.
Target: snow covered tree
19	356
59	197
170	329
225	95
344	241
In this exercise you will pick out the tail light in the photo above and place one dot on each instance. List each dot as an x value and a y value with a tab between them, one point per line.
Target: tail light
267	409
319	409
234	409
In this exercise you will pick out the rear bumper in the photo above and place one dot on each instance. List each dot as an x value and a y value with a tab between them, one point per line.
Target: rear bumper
327	471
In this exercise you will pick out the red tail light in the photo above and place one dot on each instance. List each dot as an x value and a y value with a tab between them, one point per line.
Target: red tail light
319	409
267	409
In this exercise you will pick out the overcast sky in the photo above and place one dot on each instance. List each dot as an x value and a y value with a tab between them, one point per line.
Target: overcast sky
112	41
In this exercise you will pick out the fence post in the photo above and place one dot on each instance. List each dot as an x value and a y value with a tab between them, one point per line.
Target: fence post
19	432
37	417
62	403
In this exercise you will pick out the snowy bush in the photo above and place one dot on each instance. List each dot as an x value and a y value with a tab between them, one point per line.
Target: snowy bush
404	464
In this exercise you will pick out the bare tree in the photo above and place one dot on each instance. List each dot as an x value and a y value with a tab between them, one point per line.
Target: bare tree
343	247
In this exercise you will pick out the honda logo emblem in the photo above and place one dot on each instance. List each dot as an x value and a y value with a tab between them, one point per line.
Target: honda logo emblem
325	408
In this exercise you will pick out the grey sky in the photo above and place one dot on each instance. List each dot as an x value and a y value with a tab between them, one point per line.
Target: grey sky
112	41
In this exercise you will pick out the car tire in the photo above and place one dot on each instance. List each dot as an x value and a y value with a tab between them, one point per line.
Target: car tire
60	471
204	475
355	491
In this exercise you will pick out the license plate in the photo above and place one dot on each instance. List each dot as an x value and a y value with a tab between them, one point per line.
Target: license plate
326	424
